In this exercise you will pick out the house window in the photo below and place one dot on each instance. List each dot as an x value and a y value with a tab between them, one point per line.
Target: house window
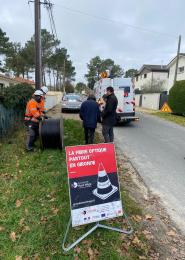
181	69
137	78
145	76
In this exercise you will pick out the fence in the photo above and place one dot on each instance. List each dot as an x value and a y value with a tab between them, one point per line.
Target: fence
151	101
8	119
52	99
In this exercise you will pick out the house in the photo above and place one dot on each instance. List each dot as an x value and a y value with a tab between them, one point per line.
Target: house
149	75
6	81
180	71
27	81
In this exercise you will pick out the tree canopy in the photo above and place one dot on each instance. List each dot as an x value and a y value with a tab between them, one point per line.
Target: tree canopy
56	64
131	73
98	65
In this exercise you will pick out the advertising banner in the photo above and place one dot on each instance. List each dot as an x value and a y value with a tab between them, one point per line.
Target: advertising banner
93	183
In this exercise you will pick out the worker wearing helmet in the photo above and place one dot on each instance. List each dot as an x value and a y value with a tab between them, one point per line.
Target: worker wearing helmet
32	117
44	90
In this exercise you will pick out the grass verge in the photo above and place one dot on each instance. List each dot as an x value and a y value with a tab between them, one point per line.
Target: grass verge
34	205
180	120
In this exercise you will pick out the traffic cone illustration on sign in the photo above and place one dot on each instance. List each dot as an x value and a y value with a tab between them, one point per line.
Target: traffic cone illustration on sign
104	187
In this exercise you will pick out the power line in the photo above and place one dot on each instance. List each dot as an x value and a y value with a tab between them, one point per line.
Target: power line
116	22
49	7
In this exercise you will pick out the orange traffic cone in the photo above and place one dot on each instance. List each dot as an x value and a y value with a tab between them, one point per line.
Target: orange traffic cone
104	187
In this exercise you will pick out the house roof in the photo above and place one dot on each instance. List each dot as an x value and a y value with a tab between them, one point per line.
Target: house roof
173	60
17	79
156	68
21	80
2	76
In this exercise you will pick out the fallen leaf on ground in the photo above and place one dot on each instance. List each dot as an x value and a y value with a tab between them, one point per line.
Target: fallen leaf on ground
171	233
55	211
87	242
43	219
142	257
26	228
90	253
77	250
18	257
174	250
21	221
137	218
18	203
13	236
149	217
136	241
26	211
36	257
2	228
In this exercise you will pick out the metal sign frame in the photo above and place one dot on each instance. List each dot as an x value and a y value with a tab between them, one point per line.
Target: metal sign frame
97	225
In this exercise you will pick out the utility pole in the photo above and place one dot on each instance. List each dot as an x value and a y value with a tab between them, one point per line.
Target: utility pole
38	59
177	61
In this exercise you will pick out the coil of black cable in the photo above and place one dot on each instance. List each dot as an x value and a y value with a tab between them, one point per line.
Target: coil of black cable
51	133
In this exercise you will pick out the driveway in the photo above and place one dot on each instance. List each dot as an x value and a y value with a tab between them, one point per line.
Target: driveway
156	149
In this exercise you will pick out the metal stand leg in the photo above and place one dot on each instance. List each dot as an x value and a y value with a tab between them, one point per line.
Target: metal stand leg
66	249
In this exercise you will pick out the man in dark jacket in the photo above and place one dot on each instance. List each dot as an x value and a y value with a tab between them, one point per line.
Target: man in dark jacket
109	115
90	114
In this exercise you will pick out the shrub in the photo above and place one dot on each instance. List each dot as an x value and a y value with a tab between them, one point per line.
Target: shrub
17	96
177	98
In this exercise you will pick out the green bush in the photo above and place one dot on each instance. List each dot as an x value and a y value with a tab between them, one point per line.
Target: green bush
17	96
177	98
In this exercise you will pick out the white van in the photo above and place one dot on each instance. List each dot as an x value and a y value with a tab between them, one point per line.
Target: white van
124	91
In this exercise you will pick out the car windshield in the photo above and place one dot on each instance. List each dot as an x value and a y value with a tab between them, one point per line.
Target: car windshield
72	97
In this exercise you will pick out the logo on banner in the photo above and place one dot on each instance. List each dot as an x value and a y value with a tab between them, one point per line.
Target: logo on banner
74	185
104	187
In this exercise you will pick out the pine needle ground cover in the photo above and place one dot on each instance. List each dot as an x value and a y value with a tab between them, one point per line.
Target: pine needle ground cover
34	207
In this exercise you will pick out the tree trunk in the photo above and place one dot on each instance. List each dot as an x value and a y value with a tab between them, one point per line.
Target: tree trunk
49	74
54	81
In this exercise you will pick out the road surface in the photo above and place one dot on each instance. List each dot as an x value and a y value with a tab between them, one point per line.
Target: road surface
157	150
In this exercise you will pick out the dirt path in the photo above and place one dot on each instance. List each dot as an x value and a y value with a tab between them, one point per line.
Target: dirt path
166	240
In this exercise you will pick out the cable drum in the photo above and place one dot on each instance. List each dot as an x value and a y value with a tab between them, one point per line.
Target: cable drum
51	133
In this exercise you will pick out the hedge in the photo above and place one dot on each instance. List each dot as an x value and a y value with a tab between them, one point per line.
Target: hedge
17	96
177	98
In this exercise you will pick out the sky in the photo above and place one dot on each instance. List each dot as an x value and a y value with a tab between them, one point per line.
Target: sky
131	32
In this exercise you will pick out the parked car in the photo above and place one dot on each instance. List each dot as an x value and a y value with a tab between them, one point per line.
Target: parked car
71	102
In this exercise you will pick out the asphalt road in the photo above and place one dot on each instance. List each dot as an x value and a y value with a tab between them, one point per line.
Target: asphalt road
157	150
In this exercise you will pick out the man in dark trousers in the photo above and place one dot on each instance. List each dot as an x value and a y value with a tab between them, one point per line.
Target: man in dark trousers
90	114
109	115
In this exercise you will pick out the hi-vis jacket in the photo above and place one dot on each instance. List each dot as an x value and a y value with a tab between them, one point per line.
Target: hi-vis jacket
33	111
42	105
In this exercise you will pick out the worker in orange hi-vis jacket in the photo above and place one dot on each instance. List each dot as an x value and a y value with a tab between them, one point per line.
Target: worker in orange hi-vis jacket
33	115
44	90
